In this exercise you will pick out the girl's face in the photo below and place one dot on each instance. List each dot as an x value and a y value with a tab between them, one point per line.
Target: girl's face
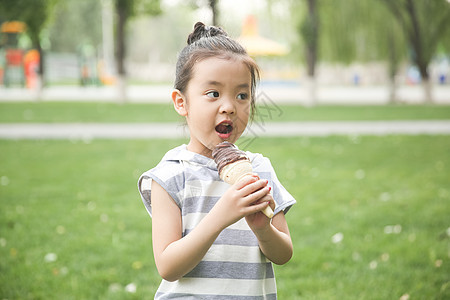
216	103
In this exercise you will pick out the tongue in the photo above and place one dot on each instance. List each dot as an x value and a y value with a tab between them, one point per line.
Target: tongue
222	128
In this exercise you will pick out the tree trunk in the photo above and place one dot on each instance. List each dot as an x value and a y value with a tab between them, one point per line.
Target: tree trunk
311	31
40	72
120	53
215	12
311	91
427	90
393	87
313	24
393	67
122	88
415	37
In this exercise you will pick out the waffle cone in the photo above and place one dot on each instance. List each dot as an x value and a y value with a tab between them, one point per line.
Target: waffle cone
235	171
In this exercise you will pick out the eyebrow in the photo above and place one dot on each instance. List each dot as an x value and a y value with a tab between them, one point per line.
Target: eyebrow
217	83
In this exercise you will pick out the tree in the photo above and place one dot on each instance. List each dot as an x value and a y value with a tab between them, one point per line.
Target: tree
215	12
35	14
82	15
213	5
309	31
425	24
125	9
362	31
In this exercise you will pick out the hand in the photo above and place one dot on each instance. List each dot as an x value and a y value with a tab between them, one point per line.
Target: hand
240	200
259	220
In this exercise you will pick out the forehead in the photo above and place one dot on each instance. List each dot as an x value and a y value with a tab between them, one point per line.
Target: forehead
229	71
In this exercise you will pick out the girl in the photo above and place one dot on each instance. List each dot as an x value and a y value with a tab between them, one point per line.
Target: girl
210	239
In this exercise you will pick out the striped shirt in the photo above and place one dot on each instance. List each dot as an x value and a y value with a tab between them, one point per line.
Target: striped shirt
234	267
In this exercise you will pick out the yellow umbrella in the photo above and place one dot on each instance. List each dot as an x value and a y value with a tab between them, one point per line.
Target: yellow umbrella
13	27
257	45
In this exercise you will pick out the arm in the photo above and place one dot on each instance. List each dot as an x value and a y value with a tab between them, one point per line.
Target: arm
275	240
274	237
175	255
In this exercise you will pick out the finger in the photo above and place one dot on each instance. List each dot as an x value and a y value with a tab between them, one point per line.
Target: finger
267	198
256	208
270	200
246	180
256	195
256	185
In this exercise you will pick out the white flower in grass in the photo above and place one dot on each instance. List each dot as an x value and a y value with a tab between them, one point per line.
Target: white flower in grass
385	196
360	174
50	257
60	229
4	180
404	297
393	229
104	218
337	238
438	263
373	265
131	288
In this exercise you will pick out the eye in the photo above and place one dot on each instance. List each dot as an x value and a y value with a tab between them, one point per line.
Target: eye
242	96
213	94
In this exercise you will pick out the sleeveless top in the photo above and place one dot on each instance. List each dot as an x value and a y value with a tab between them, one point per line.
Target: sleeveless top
234	267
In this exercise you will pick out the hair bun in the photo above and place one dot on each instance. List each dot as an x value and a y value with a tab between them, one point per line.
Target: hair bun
203	31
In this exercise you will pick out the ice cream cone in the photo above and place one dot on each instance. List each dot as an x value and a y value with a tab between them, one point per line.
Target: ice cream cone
233	165
233	172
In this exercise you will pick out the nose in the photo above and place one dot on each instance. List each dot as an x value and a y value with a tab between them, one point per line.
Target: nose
227	106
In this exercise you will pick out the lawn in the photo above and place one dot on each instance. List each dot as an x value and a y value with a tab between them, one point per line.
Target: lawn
371	220
66	112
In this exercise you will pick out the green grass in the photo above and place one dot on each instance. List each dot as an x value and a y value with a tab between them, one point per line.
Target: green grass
79	201
52	112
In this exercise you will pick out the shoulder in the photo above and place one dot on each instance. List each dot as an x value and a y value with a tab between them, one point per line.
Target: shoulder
263	167
169	174
169	165
165	169
259	161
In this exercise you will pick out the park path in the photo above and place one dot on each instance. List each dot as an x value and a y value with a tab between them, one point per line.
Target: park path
278	93
272	94
88	131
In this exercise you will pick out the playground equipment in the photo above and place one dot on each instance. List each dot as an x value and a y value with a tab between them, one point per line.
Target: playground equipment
11	57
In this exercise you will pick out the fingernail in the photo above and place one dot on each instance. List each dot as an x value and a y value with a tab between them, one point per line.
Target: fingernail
270	188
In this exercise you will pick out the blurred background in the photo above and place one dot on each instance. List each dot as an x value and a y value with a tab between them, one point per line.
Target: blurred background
400	49
353	112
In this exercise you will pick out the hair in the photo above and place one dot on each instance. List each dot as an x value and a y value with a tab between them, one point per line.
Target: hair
211	41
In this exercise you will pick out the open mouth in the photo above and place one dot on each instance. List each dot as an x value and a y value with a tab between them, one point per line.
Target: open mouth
224	129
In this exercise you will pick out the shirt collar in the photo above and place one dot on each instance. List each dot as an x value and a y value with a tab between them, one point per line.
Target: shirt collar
181	154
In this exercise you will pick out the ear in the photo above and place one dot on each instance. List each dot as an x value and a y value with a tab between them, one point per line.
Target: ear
179	103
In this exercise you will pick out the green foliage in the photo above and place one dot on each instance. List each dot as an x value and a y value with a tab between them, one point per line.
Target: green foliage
35	13
423	22
425	26
359	30
309	31
85	16
138	7
371	220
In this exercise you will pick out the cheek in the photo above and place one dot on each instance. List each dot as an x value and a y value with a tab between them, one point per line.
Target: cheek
245	113
201	116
